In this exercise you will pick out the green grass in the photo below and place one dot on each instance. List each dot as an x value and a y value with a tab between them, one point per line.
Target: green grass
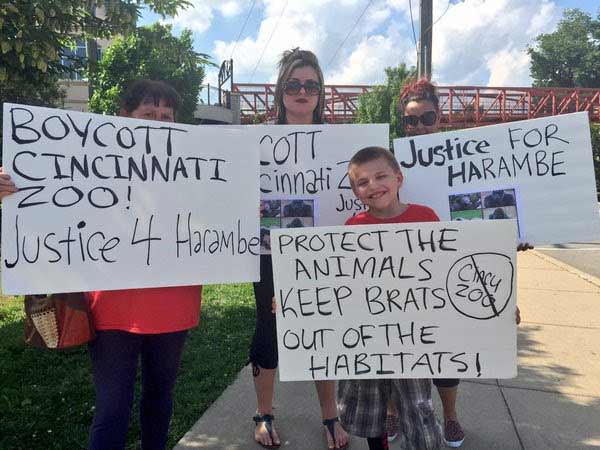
47	397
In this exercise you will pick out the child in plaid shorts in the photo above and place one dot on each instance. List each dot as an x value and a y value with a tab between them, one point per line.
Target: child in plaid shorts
375	178
363	410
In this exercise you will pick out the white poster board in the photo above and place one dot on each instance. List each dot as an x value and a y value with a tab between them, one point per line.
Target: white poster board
303	178
396	301
539	172
111	203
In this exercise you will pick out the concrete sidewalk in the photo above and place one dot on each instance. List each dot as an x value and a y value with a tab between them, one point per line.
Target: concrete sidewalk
554	403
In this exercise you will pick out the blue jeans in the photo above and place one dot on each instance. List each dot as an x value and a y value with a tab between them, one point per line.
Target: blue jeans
115	357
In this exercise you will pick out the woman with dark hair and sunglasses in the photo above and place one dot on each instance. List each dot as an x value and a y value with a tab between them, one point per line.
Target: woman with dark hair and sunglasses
299	100
420	112
419	109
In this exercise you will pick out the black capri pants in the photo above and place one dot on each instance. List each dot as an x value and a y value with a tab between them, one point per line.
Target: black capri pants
263	350
445	382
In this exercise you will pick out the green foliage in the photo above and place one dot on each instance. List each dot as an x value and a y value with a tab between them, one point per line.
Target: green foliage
47	397
570	56
150	52
380	105
595	129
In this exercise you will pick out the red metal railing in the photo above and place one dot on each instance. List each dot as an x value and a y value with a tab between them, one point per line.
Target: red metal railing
464	106
461	106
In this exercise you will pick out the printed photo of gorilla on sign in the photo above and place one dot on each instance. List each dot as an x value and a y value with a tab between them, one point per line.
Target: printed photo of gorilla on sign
296	213
490	205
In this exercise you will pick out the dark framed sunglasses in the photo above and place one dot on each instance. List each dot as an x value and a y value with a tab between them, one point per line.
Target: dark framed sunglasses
311	87
428	119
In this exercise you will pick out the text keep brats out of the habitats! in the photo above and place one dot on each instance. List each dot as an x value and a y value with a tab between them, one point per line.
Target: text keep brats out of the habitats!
416	300
539	172
110	202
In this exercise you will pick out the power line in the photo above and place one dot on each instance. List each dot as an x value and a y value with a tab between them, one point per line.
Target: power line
268	41
349	33
243	28
440	18
412	23
443	14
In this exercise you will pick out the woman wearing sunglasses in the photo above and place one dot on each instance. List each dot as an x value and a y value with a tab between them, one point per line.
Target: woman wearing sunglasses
420	113
419	108
299	100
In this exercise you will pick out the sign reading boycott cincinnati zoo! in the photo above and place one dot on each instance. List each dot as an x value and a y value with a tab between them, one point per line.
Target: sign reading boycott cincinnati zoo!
304	177
112	203
539	172
426	300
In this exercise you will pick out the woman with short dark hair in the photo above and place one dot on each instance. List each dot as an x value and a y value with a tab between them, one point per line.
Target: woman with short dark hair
149	324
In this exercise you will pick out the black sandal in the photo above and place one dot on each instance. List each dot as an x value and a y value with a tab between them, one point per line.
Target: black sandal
330	424
268	420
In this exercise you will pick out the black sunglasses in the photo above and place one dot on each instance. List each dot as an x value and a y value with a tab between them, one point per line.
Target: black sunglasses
311	87
428	119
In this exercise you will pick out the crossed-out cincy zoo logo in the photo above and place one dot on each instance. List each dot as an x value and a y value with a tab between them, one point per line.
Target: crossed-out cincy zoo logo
480	285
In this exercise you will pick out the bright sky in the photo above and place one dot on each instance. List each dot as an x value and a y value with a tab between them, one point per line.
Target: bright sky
475	42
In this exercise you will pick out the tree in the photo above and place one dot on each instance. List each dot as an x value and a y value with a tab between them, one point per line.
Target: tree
151	52
380	105
570	56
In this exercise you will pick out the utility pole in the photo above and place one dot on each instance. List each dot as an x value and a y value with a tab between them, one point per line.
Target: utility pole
425	39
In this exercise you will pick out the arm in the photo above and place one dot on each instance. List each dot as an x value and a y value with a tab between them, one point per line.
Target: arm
521	248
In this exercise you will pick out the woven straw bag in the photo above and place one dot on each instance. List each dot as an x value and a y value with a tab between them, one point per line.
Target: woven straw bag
57	321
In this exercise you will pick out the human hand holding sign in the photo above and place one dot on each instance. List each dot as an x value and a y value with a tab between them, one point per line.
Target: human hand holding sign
7	185
524	246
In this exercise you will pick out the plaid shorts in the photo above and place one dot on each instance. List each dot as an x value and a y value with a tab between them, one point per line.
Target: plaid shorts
363	409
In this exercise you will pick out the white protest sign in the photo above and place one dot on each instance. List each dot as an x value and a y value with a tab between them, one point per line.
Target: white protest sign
426	300
303	178
111	203
539	172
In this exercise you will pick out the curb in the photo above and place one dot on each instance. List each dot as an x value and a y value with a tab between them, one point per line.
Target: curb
586	276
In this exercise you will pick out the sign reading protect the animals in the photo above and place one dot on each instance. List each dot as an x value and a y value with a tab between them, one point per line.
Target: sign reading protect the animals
539	172
111	203
426	300
303	179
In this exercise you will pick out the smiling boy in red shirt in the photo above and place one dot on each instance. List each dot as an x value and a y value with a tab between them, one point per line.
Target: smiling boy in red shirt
375	178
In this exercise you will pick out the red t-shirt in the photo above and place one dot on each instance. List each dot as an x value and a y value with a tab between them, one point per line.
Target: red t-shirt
414	213
148	310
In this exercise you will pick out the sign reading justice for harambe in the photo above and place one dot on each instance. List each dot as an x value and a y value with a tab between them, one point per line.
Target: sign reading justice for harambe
111	203
539	172
427	300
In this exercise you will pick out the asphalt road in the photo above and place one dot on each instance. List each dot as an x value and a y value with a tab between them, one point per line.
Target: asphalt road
584	256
